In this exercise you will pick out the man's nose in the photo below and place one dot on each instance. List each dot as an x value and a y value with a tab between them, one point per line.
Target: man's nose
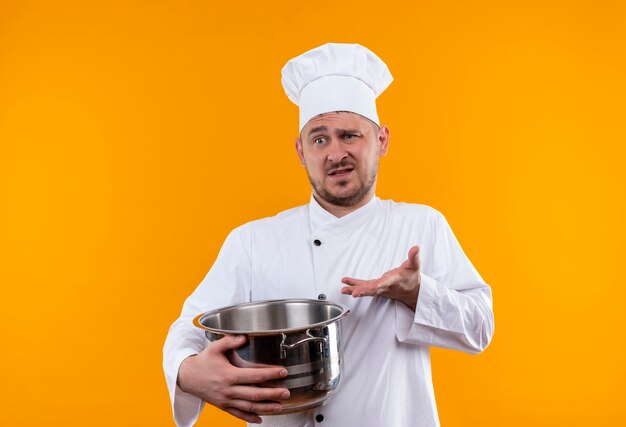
337	152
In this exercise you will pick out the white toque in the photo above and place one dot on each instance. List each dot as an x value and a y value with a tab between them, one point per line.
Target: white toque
336	77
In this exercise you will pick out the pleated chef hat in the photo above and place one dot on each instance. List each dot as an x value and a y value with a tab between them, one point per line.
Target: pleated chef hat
336	77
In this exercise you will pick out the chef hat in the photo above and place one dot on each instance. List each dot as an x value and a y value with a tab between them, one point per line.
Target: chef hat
336	77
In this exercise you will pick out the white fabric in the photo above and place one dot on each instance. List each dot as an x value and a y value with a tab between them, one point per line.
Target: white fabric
386	372
336	77
341	93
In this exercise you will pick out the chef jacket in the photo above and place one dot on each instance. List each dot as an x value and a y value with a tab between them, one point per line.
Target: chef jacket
304	252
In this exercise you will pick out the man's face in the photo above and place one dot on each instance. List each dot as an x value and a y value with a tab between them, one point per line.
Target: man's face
340	152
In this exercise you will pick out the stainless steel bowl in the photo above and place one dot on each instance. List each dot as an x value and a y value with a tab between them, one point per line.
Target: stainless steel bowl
302	335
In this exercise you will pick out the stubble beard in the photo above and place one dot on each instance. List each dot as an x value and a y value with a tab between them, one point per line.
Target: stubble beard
349	199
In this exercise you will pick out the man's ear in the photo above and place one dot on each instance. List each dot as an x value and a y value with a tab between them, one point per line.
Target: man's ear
383	140
299	150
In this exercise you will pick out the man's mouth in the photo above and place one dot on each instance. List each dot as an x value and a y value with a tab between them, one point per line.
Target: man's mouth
342	171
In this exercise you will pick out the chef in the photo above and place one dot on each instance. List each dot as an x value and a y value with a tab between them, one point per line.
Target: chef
397	266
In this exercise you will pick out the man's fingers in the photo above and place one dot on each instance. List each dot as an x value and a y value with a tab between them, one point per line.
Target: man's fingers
229	342
413	260
347	291
262	408
259	375
354	282
258	394
359	288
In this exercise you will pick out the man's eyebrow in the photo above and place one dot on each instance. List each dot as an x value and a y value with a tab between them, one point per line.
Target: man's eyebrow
318	129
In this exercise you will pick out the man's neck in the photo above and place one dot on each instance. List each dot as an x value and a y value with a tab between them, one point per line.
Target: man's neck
340	211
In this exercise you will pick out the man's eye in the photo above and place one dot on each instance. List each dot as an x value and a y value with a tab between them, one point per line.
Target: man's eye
349	136
319	141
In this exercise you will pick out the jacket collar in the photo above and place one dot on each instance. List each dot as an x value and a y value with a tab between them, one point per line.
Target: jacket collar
324	223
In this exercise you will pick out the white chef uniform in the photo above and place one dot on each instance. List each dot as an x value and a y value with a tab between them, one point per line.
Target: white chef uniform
386	373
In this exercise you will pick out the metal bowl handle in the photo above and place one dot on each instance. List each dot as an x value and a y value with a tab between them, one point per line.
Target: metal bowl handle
284	347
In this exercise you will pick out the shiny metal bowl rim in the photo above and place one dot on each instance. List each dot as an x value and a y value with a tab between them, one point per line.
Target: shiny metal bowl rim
198	319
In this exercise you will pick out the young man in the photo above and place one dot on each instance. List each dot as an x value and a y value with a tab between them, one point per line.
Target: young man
397	266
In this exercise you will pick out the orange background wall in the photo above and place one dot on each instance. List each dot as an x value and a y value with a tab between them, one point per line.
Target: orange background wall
135	134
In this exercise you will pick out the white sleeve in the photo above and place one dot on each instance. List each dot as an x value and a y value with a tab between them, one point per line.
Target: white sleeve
454	308
227	283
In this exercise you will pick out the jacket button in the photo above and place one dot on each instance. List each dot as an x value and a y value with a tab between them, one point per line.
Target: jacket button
319	418
316	242
321	297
